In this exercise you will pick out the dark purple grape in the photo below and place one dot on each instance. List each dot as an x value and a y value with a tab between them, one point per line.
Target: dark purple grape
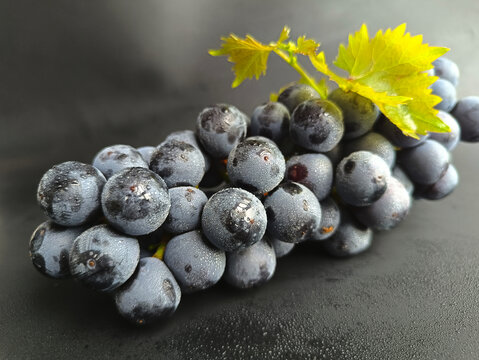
359	113
448	139
294	95
281	248
270	120
233	218
400	175
375	143
252	266
103	259
426	163
446	69
351	238
361	178
317	125
220	128
151	294
443	187
196	264
69	193
115	158
50	247
178	163
447	92
256	164
135	201
389	210
188	136
395	135
315	171
146	152
294	213
186	207
466	113
330	220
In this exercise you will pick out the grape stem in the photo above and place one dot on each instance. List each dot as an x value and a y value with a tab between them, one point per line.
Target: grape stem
306	77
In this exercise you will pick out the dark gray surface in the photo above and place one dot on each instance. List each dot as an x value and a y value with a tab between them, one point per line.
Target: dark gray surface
77	76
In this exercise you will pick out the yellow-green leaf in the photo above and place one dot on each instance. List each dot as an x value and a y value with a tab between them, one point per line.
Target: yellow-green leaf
248	55
306	46
284	34
389	70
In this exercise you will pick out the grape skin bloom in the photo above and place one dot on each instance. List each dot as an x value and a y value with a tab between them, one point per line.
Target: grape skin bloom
136	201
317	125
361	178
233	218
151	294
69	193
256	164
293	212
252	266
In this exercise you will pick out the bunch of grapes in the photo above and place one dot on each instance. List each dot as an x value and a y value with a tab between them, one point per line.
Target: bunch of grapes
227	200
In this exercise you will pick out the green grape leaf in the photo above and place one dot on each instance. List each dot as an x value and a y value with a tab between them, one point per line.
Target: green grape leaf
249	56
389	69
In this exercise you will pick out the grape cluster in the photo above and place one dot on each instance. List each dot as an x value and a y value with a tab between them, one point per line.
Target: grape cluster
225	201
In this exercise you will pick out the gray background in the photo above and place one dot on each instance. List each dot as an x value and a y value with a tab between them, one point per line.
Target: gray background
76	76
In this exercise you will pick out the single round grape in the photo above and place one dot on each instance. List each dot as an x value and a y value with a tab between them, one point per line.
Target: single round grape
270	120
315	171
188	136
256	164
448	139
295	94
69	193
194	262
426	163
281	248
401	176
220	128
443	187
466	113
351	238
396	136
103	259
446	69
389	210
359	113
186	207
330	220
447	92
151	294
293	212
361	178
317	125
233	218
135	201
252	266
50	247
178	163
115	158
375	143
146	152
